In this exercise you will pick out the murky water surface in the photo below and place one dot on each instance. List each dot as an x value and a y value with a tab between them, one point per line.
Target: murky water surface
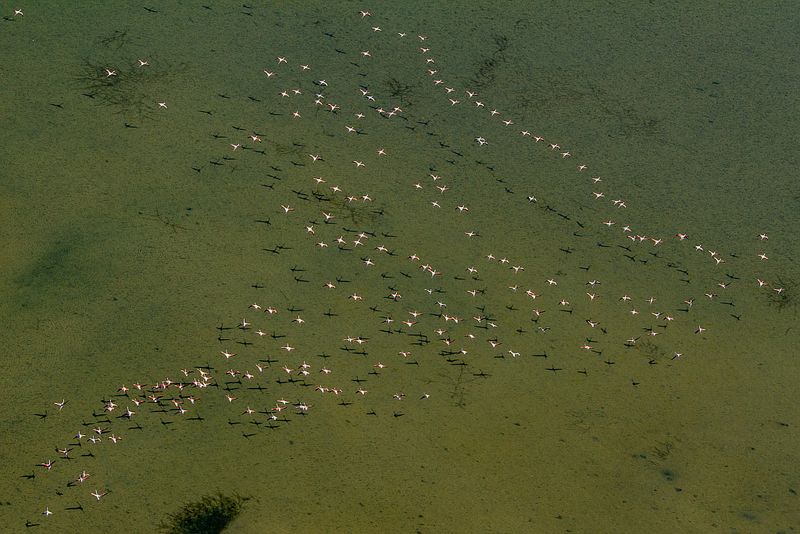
440	267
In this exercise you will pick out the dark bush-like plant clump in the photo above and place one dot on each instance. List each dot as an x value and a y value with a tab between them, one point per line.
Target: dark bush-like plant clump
209	515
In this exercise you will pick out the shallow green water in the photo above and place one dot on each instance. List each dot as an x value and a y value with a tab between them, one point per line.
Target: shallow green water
134	240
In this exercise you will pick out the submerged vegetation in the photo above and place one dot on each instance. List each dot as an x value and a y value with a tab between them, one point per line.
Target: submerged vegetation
210	515
782	295
113	75
126	86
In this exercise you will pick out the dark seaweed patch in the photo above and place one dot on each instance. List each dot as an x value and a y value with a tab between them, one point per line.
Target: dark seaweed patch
209	515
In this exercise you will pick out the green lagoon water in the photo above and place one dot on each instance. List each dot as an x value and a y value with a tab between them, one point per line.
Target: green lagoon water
134	239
